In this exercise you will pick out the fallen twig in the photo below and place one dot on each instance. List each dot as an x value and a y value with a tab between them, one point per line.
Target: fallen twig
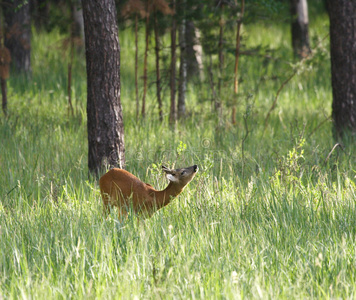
332	150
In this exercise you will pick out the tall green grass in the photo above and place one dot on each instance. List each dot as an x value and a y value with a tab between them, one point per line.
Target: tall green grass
271	213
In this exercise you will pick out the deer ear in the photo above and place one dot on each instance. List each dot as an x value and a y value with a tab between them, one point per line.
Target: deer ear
165	169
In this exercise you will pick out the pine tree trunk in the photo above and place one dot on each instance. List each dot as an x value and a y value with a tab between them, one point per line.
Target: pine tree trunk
300	28
237	50
221	5
76	35
158	76
69	82
194	62
143	110
136	67
77	19
182	86
40	13
221	54
172	114
4	95
343	65
18	33
105	123
217	104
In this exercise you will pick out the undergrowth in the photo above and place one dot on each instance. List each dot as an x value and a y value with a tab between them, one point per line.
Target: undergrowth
270	214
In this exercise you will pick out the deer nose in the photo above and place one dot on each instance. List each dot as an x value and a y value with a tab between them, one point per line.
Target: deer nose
195	168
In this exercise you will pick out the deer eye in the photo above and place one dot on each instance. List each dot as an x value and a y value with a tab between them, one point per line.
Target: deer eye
182	173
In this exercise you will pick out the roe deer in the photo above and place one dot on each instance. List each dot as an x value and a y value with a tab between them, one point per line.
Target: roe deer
124	190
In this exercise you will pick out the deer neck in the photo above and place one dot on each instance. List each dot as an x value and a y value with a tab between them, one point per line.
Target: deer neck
164	197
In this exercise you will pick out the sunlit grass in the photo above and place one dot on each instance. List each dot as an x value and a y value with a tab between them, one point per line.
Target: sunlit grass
269	215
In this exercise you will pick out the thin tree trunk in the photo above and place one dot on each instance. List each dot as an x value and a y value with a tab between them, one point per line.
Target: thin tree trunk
4	96
76	34
221	53
172	114
158	79
300	28
5	60
18	33
237	51
136	67
191	43
212	85
343	65
105	123
70	63
40	13
77	19
69	89
182	87
143	110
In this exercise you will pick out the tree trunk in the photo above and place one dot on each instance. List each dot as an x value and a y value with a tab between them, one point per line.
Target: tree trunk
77	19
69	82
136	67
105	123
182	86
172	114
4	95
217	104
143	110
343	65
158	76
193	51
300	28
40	13
18	33
76	36
237	50
221	53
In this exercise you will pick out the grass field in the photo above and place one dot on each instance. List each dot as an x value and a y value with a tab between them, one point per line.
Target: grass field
271	213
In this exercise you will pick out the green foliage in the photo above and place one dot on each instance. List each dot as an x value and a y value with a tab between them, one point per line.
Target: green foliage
284	229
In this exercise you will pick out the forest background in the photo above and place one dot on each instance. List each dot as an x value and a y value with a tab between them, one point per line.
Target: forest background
270	214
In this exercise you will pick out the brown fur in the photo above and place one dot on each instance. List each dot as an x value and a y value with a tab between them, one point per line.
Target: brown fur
124	190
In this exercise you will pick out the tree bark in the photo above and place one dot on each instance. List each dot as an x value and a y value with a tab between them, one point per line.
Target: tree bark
182	86
136	67
300	28
77	27
18	33
40	13
158	76
193	51
221	52
105	122
343	65
172	114
143	110
237	49
76	37
4	95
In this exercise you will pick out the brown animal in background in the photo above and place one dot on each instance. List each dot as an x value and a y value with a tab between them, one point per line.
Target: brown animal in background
124	190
